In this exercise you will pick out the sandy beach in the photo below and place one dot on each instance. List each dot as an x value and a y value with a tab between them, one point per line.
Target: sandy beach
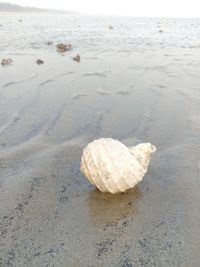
133	83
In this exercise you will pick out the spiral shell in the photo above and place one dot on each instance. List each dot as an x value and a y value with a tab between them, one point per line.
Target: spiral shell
112	166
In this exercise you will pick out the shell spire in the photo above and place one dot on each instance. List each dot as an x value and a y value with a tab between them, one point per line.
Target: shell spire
112	166
143	152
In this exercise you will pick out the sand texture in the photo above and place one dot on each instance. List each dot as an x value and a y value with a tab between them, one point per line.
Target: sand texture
134	84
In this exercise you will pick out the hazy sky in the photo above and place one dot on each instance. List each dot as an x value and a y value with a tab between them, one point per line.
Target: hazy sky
149	8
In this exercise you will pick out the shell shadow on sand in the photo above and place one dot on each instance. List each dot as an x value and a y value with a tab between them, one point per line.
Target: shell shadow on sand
106	208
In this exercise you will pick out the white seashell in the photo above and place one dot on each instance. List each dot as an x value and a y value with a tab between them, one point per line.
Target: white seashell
112	166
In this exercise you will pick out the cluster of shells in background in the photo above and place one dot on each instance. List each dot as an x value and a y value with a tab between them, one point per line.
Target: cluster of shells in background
64	47
114	167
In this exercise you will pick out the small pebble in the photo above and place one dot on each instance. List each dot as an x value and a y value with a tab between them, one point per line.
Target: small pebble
49	43
39	62
6	61
77	58
64	47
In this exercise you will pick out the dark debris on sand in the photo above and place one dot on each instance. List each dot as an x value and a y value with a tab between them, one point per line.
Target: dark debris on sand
49	43
39	62
77	58
64	47
6	61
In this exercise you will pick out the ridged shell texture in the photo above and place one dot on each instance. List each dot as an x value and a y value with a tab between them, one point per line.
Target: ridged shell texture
112	166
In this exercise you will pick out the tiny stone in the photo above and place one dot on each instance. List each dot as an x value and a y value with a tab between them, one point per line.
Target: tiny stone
6	61
49	43
64	47
77	58
39	61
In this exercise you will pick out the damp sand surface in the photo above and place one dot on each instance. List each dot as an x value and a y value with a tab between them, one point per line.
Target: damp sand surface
133	83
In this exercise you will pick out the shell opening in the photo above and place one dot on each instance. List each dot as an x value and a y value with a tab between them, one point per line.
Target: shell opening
153	149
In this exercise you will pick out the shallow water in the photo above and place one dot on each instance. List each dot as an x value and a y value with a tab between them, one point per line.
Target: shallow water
134	84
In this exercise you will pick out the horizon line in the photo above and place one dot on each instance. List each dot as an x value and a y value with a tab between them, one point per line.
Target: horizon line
93	13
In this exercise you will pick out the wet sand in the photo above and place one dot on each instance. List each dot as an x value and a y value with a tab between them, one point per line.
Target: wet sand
49	214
